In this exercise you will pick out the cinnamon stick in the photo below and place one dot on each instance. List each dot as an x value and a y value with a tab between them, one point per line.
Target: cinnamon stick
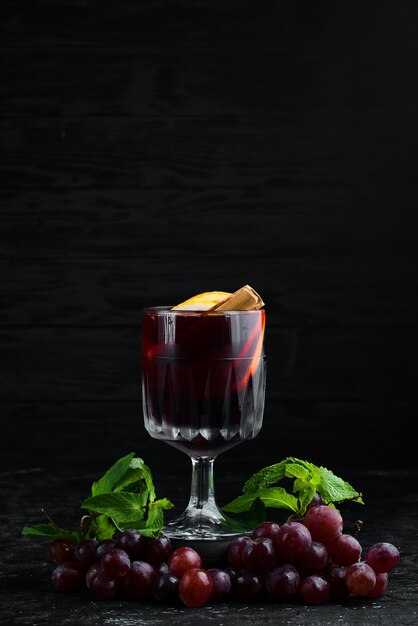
245	299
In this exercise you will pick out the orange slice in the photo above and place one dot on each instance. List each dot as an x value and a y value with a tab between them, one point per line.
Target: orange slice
202	301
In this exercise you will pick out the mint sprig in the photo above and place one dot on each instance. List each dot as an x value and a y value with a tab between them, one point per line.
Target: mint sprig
52	532
124	497
307	480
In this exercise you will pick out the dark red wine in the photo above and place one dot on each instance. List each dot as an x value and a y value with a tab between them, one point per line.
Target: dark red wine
203	377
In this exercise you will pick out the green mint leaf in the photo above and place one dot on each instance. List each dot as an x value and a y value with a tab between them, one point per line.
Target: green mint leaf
335	489
154	523
121	506
241	525
137	478
278	498
107	482
52	532
273	497
241	504
150	527
306	494
101	528
265	477
162	503
138	463
257	513
295	470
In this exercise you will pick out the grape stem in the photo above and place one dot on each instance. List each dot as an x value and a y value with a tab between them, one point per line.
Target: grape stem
86	520
51	521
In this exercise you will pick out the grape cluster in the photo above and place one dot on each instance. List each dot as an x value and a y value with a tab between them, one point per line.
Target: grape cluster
310	561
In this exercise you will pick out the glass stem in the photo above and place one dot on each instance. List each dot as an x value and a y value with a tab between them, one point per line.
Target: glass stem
202	493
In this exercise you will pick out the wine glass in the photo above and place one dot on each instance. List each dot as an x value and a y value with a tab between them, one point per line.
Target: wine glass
203	391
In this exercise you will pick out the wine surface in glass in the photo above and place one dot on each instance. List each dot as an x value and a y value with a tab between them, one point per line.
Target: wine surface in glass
203	378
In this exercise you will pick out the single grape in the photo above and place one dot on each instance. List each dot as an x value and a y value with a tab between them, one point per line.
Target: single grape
139	582
344	550
247	586
317	499
266	530
313	560
102	587
259	555
104	547
85	552
235	550
166	589
336	577
61	551
132	542
282	583
157	550
195	588
92	571
360	579
382	557
231	572
162	568
324	523
183	559
380	586
221	582
314	590
293	540
68	576
116	563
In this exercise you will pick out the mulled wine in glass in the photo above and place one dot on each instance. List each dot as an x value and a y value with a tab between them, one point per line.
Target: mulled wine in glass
203	388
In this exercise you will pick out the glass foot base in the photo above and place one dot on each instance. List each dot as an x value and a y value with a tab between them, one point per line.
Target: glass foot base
201	527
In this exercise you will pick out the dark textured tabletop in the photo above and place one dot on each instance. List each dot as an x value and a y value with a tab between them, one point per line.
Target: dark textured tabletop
28	598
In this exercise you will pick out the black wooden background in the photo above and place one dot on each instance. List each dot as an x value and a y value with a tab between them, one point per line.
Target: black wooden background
152	150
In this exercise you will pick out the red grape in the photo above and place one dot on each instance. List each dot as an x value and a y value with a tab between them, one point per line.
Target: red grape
162	568
259	555
116	563
336	577
312	561
282	583
380	586
317	499
132	542
382	557
85	552
221	582
139	582
231	572
195	588
324	523
314	590
267	530
61	551
183	559
157	550
92	571
360	579
68	576
104	547
166	589
102	587
344	550
235	550
247	586
293	540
